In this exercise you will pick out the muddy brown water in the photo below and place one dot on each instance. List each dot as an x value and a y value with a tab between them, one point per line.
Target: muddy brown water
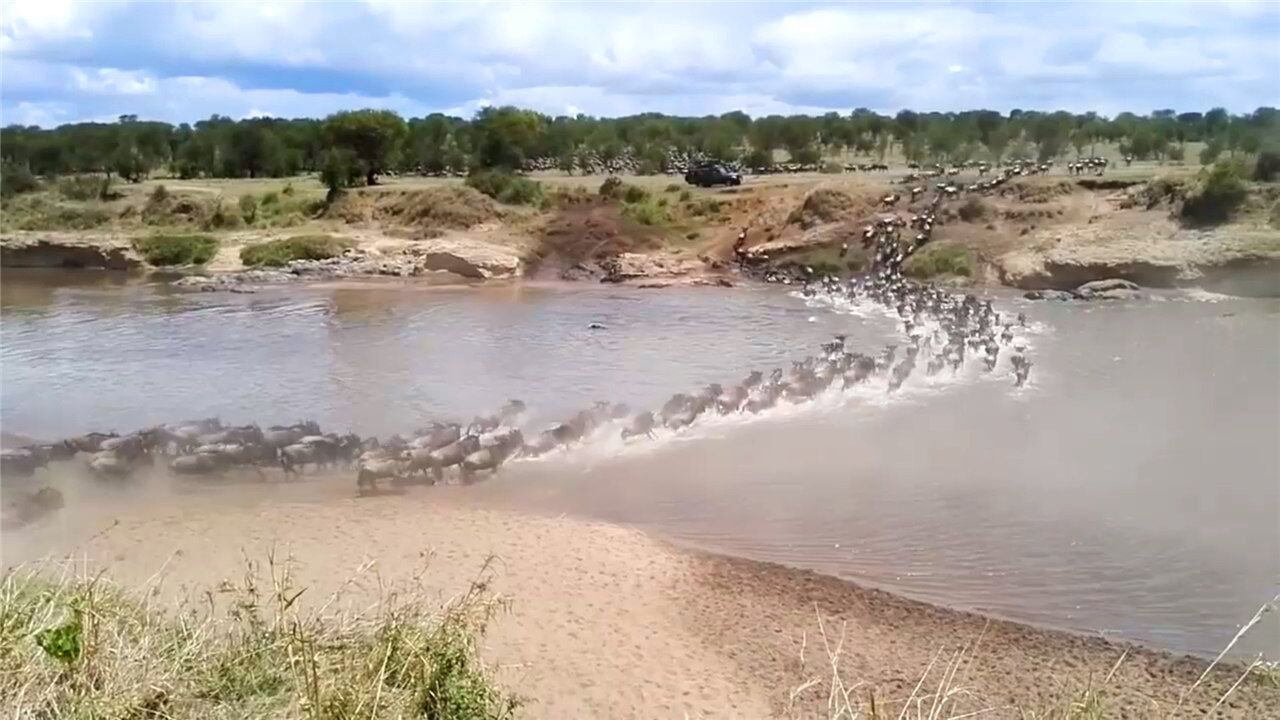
1132	489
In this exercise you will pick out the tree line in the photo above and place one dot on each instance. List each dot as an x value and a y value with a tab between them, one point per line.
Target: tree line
355	147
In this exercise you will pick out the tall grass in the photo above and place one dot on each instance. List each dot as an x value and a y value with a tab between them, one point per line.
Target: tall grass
75	646
940	693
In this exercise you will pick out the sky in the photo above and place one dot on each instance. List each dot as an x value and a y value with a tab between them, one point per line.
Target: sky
63	61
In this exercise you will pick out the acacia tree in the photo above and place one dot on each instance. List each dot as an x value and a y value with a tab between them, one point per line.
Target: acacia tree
373	138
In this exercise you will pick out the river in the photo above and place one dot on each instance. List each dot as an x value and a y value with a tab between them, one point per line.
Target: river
1132	488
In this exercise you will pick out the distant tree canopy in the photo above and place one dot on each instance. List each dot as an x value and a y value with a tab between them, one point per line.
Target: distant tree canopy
355	147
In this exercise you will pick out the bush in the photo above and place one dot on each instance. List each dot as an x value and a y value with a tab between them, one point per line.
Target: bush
673	187
634	194
807	155
972	209
1176	153
1267	167
86	187
1210	152
1218	192
269	199
646	213
940	259
611	187
43	215
221	218
507	188
287	189
277	253
16	179
338	170
163	250
685	195
159	195
248	208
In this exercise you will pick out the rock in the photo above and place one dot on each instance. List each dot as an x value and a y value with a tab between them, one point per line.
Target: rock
1116	294
1048	295
595	326
54	250
468	258
1089	289
632	266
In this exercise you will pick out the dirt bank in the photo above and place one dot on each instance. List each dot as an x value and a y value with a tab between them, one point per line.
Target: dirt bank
1051	232
608	622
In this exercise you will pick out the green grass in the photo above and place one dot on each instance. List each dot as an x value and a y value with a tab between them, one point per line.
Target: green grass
940	259
507	188
164	250
88	648
41	211
276	253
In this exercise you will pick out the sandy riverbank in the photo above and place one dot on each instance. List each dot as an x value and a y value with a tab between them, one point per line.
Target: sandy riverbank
609	622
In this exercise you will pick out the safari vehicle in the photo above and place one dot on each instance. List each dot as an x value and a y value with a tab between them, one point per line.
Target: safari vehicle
711	174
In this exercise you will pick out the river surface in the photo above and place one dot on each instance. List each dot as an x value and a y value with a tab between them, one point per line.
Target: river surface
1132	488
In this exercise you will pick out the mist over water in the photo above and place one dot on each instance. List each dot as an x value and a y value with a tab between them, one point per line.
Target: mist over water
1133	487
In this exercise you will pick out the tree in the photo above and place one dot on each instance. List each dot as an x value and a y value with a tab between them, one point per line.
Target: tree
997	141
372	137
506	136
339	169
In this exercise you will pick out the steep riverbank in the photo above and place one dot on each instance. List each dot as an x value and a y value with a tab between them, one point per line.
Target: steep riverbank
608	622
1033	233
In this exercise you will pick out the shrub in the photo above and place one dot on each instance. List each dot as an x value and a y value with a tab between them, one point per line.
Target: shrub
220	217
248	208
940	259
1267	166
287	189
673	187
85	187
16	179
177	249
972	210
662	202
1210	152
1218	192
634	194
685	195
646	213
159	195
506	187
276	253
611	187
270	198
1176	153
807	155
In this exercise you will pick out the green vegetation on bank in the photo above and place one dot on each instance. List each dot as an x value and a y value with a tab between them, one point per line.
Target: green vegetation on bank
277	253
938	259
506	187
88	648
162	250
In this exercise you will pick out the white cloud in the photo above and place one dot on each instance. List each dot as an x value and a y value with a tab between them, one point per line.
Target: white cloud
111	81
183	61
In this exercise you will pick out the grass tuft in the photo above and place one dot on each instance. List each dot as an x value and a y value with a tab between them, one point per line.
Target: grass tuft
81	647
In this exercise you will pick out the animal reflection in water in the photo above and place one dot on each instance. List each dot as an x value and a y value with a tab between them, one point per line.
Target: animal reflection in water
941	332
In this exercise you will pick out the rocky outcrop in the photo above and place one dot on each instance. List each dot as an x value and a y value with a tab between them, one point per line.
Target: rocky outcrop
56	250
468	258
